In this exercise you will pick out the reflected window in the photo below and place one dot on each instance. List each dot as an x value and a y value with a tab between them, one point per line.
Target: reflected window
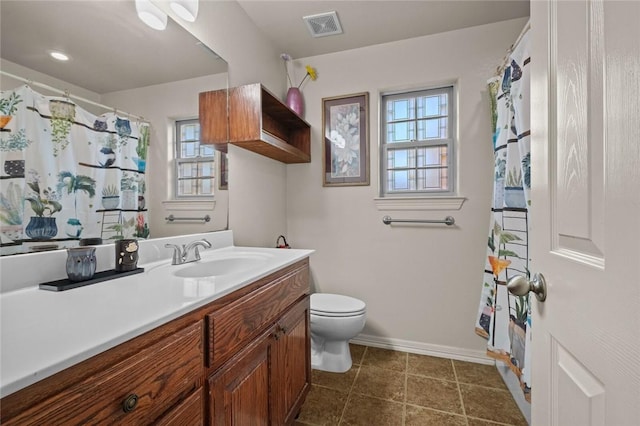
195	163
417	142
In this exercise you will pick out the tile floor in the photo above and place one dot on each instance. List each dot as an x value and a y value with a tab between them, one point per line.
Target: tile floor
385	387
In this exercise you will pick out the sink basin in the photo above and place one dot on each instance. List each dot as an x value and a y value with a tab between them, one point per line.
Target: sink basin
221	266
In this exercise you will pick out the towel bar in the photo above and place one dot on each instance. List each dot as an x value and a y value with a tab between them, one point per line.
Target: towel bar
172	218
449	220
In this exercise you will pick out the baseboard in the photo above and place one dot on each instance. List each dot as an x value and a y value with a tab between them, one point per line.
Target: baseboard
460	354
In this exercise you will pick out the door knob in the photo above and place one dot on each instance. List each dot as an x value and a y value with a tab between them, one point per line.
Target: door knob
520	286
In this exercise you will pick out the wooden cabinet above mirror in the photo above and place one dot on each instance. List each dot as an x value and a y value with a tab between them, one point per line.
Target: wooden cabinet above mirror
257	121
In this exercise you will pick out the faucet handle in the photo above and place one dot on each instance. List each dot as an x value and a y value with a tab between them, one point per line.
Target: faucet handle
197	253
178	253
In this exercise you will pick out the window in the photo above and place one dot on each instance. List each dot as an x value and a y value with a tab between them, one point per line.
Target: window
195	166
417	143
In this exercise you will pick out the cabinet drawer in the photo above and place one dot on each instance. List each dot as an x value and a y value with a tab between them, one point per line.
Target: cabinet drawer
188	413
157	378
236	324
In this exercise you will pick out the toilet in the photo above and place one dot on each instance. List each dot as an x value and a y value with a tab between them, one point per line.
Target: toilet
335	319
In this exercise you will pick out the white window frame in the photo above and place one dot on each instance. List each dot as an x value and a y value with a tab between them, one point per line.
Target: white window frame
449	142
178	160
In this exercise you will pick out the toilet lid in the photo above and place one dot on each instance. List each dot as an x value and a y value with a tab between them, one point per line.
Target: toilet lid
327	304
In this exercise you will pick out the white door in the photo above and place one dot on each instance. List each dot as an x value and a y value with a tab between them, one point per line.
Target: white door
585	221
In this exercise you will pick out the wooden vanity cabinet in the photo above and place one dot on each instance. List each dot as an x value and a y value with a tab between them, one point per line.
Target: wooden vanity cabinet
266	383
138	390
290	364
257	121
242	359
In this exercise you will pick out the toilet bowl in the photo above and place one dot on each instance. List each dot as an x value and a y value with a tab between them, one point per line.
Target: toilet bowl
335	319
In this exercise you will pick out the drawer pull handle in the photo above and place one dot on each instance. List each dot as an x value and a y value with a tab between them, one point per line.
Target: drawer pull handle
129	404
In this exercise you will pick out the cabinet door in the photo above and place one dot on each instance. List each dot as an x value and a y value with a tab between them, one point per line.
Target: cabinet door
213	119
239	392
290	364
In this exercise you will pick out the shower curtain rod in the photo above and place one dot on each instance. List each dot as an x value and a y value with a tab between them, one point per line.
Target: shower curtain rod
505	60
69	95
526	28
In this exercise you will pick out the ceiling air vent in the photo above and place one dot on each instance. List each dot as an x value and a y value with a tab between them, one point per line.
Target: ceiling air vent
323	24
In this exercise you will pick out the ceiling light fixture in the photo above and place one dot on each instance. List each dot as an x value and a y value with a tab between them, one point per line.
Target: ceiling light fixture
59	55
151	14
186	9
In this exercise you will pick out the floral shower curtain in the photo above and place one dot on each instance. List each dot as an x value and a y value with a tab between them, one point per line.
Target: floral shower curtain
503	319
68	174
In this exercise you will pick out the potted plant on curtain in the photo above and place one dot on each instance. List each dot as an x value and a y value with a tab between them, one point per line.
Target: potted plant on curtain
123	128
107	154
11	212
8	107
63	115
128	188
142	228
142	188
16	142
513	190
141	148
72	184
123	229
44	204
110	197
518	330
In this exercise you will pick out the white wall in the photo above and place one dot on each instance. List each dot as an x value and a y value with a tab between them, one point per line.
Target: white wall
162	104
421	283
8	83
257	209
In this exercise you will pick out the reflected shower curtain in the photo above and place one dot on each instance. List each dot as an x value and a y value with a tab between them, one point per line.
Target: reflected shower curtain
503	319
68	174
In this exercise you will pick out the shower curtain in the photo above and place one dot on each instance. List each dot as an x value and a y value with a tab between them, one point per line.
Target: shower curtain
68	174
503	319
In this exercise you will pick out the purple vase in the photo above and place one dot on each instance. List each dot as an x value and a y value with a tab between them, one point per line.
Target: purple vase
295	101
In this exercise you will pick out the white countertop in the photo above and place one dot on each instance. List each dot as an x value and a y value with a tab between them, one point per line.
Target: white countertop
44	332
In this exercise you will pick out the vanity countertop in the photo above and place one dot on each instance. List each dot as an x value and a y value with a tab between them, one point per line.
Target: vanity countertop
44	332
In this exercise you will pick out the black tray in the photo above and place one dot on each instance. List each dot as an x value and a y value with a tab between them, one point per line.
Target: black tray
66	284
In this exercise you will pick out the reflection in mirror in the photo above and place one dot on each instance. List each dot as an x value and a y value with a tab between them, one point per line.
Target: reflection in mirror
121	75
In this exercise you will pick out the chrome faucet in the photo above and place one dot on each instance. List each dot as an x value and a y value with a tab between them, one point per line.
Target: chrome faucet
194	245
180	253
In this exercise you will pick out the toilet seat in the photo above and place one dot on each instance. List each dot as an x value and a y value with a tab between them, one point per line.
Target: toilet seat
336	305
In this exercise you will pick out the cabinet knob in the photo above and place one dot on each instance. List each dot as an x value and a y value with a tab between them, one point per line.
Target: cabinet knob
129	404
280	331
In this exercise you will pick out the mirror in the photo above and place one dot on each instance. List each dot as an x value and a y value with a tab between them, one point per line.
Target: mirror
117	61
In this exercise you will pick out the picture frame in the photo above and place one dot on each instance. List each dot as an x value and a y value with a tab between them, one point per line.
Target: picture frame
223	170
345	124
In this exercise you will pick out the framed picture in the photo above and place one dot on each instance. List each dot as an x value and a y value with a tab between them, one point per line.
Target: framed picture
345	122
223	181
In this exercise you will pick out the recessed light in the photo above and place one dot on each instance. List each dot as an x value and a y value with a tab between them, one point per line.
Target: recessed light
59	56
